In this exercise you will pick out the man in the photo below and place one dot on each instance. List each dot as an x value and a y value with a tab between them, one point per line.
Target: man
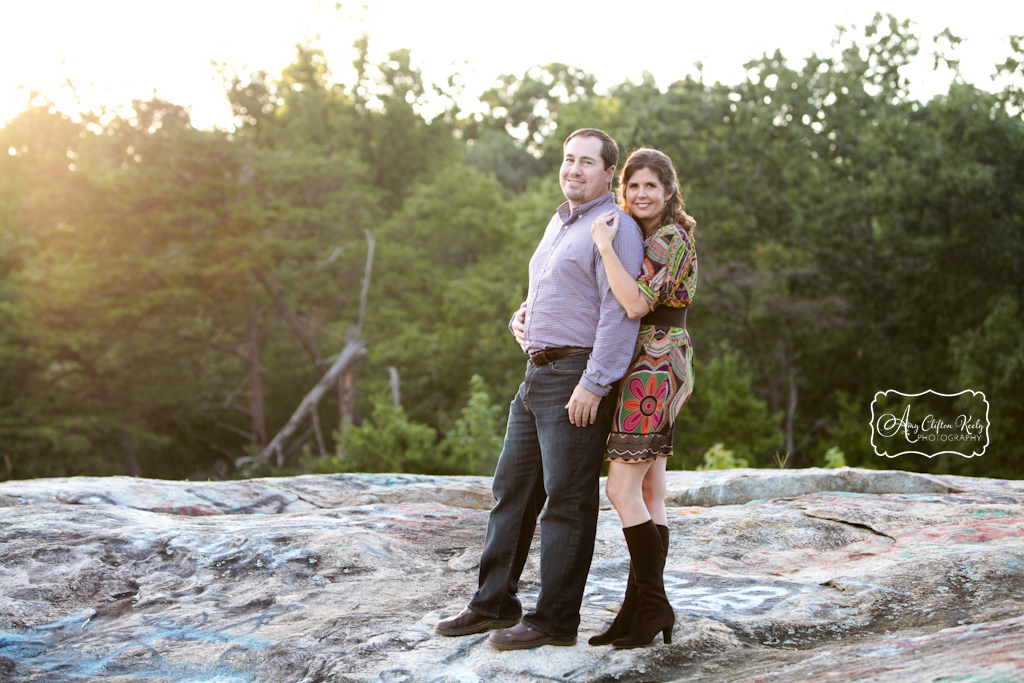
580	342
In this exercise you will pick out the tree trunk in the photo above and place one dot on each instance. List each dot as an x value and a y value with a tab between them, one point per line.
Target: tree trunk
252	354
347	396
352	353
319	433
293	322
396	397
342	373
347	387
339	450
790	411
131	461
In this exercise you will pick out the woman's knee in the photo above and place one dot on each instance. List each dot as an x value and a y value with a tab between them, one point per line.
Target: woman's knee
615	491
653	490
620	492
653	494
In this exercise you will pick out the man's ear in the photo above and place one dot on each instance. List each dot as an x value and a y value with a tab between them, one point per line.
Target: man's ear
611	175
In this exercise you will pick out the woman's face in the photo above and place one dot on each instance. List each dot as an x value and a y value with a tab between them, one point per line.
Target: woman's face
645	197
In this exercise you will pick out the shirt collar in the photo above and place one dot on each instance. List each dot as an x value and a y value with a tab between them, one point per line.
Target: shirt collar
566	214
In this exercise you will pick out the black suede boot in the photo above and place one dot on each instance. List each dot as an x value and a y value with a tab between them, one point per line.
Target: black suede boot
623	621
653	612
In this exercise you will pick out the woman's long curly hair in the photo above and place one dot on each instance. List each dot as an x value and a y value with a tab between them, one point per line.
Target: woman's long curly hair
674	211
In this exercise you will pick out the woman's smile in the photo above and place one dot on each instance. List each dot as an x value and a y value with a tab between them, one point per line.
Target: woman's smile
646	197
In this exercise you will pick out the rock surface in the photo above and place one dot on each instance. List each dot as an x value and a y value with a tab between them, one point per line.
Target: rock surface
776	576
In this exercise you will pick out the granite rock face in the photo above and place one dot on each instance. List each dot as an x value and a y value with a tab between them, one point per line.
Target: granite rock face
776	576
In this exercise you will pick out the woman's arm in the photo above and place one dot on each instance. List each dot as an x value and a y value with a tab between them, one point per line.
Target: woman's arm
624	287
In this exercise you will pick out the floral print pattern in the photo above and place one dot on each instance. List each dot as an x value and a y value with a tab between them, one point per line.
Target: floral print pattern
660	378
644	408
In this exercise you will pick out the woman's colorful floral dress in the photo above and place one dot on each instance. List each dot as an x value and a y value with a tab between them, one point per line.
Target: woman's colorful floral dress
660	378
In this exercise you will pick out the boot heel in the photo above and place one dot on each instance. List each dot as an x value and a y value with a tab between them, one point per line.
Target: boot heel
667	634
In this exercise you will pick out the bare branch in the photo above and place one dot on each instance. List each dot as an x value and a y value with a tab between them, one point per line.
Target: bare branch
221	450
396	397
232	428
346	362
293	322
319	433
257	408
353	352
234	392
355	334
210	407
335	253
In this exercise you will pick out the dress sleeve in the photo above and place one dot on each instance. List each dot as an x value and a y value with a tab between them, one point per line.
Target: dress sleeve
668	258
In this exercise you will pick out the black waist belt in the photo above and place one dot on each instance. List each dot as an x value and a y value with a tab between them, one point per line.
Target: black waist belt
666	317
551	355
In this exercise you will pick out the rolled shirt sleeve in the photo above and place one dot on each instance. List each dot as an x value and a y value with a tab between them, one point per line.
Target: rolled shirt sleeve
570	302
616	334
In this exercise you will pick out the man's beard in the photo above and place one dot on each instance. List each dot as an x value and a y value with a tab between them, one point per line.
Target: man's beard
572	192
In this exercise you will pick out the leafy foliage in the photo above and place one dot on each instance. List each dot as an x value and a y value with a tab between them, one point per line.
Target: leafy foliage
390	442
718	458
724	410
990	358
474	442
168	295
835	458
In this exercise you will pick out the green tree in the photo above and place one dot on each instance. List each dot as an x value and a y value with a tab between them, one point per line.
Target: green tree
169	295
452	273
990	359
474	442
390	442
723	412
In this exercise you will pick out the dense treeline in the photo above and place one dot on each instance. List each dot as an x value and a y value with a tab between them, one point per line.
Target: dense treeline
169	295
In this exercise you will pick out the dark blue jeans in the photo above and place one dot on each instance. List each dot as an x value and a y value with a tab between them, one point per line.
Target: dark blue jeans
544	458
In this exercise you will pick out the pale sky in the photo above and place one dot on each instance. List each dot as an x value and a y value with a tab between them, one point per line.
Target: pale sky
115	50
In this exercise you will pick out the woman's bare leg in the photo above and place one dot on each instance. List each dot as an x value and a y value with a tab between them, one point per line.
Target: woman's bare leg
654	491
625	490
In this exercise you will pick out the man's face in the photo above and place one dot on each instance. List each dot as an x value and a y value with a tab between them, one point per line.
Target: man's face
583	176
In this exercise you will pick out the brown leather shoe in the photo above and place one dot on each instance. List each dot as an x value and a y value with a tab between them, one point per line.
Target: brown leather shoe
522	637
468	622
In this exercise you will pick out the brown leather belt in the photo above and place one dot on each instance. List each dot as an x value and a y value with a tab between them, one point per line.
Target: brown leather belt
666	316
546	356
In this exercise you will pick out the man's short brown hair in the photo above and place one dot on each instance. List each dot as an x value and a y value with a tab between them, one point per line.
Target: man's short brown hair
609	150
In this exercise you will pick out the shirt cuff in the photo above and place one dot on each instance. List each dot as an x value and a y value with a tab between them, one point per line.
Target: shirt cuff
594	388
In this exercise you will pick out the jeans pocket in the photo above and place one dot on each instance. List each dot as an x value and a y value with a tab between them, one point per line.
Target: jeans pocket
570	365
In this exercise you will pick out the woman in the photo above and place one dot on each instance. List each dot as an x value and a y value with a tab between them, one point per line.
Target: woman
658	382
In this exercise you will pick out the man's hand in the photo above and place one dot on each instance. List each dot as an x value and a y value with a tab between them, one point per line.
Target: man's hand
518	322
582	406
